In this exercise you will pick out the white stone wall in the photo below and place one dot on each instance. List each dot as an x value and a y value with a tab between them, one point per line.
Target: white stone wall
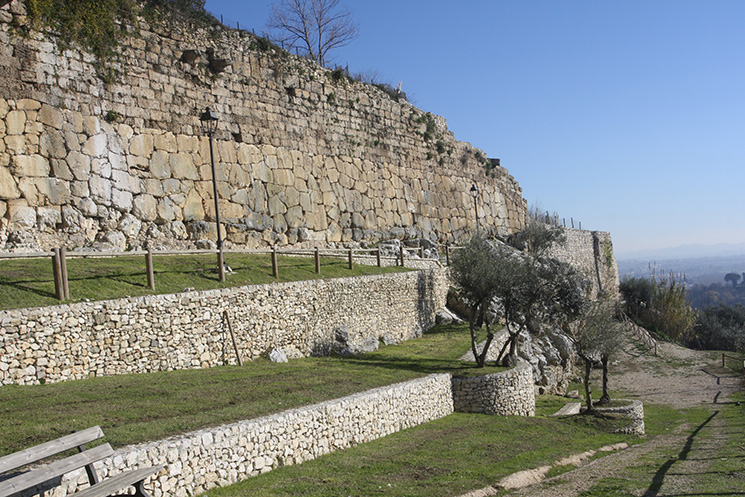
510	393
197	461
186	330
591	252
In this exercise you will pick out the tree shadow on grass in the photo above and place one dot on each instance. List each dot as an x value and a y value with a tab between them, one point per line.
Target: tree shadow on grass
659	477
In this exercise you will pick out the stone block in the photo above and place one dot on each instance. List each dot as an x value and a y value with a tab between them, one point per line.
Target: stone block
15	122
8	185
29	166
95	146
51	116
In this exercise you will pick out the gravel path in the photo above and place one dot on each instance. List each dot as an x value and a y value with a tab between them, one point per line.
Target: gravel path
679	378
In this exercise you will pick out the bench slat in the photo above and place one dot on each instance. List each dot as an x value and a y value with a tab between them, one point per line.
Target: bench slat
114	484
52	470
48	449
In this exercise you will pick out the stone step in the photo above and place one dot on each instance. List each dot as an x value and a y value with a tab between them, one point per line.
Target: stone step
569	409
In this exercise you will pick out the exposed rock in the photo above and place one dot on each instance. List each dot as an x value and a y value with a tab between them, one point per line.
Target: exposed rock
277	355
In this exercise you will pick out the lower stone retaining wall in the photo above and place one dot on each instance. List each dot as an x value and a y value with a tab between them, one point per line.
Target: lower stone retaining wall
510	393
203	459
186	330
634	411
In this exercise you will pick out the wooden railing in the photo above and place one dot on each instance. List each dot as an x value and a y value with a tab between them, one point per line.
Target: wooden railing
642	334
59	257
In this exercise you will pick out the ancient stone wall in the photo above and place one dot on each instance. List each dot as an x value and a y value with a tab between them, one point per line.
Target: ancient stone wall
591	252
305	156
196	461
181	331
510	393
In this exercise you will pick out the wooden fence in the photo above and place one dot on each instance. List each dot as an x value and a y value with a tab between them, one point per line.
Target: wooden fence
59	257
725	357
642	334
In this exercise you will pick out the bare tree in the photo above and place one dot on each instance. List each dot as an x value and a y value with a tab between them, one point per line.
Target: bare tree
314	27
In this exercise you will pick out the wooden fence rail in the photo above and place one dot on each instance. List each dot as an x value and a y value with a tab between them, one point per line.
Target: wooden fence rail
59	258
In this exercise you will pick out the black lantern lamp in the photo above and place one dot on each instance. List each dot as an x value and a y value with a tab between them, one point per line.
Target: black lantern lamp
475	194
209	126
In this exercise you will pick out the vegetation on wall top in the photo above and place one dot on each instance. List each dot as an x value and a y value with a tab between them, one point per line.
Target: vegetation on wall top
99	25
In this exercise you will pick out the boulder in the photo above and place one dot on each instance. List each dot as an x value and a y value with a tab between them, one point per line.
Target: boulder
277	355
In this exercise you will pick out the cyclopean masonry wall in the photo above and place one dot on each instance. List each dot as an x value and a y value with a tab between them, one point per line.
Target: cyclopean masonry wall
510	393
197	461
304	155
186	330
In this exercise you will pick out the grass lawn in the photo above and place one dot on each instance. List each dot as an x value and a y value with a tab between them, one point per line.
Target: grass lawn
151	406
30	282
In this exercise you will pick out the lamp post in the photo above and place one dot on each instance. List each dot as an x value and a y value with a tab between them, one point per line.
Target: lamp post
475	194
209	126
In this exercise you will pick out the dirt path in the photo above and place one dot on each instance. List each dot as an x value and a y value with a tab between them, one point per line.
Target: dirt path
680	378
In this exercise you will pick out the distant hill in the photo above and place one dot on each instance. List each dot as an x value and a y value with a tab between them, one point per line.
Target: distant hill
684	252
697	270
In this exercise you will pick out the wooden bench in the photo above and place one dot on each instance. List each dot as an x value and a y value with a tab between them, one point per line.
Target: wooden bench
13	482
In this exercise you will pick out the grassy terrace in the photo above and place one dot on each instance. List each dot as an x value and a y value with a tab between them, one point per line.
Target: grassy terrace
30	282
446	457
135	408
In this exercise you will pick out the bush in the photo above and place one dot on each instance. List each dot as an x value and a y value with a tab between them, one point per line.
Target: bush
660	306
721	328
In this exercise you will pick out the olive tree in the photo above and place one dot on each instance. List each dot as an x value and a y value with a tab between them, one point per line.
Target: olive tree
597	336
529	291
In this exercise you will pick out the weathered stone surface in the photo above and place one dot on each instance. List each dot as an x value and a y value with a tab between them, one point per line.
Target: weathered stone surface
8	187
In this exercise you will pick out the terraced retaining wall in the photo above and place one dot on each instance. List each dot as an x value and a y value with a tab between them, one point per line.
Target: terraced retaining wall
186	330
203	459
510	393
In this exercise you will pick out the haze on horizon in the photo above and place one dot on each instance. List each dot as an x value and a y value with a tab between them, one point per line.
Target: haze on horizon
626	116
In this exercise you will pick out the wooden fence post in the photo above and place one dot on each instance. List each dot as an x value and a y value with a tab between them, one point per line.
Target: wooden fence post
232	336
150	271
57	269
63	272
351	260
379	261
401	254
447	255
318	262
275	266
421	252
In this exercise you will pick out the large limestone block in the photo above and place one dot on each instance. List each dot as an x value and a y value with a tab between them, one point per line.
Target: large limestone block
100	188
294	217
95	146
80	165
121	200
15	122
182	166
145	207
276	206
160	165
193	207
166	142
30	166
51	116
8	186
20	214
52	144
141	145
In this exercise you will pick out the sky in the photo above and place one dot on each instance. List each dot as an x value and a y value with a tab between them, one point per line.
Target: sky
627	116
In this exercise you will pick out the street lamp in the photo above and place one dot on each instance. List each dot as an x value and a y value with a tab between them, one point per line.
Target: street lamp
475	194
209	126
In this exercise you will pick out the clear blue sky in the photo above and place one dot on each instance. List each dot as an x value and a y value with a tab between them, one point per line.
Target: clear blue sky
628	115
